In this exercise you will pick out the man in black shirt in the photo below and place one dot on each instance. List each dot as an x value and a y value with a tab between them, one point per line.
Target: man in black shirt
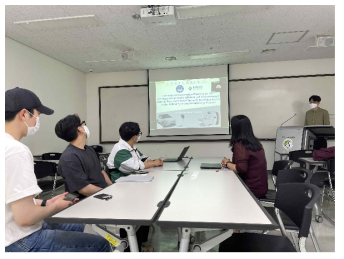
79	164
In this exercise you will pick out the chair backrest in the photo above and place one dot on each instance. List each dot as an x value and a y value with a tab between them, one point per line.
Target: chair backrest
293	176
43	169
280	165
51	156
330	165
295	155
97	149
296	200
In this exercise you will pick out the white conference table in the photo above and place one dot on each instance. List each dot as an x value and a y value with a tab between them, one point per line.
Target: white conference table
197	200
133	204
204	200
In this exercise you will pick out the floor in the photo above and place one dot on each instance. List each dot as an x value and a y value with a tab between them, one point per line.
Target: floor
166	239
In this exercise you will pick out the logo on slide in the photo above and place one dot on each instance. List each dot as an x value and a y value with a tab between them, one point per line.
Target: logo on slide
287	143
179	88
190	88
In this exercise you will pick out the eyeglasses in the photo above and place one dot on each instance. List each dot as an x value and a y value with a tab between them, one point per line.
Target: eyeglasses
83	123
140	133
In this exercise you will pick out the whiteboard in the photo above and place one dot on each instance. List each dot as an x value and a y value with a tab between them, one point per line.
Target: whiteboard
268	103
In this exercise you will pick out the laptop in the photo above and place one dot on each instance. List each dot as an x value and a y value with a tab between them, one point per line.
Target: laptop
211	166
176	159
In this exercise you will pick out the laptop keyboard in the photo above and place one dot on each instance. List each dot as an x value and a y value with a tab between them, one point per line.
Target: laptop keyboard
170	160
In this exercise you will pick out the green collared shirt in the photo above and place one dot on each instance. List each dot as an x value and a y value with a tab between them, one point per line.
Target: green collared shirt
318	117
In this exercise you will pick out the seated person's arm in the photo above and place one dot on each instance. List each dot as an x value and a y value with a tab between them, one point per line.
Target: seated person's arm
125	162
232	167
76	178
27	213
107	179
89	190
152	163
241	159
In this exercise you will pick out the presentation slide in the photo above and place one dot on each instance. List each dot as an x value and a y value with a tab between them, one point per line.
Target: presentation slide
189	107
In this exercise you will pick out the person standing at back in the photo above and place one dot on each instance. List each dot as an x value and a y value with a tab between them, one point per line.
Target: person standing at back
25	227
317	116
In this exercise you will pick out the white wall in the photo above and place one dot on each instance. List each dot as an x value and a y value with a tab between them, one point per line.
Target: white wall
202	149
68	91
58	86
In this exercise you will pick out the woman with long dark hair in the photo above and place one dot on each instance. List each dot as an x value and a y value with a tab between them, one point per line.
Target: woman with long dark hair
248	156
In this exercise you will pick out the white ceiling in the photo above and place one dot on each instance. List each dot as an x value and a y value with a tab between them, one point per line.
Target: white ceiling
233	32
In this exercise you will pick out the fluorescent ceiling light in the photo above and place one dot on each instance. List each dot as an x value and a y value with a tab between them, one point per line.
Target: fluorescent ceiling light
112	60
63	22
219	55
197	11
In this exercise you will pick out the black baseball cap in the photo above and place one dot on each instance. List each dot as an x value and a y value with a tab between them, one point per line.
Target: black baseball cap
17	99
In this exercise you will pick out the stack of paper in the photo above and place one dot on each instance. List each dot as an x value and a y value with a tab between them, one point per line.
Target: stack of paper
135	178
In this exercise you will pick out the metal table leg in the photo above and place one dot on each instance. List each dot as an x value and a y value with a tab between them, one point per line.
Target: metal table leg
184	242
131	232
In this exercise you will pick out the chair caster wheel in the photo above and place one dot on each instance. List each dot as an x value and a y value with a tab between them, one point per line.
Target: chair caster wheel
192	239
196	247
319	219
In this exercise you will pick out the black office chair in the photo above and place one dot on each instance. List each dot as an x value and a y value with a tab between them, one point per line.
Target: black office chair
51	156
329	186
318	178
296	200
42	170
271	194
295	155
97	149
292	176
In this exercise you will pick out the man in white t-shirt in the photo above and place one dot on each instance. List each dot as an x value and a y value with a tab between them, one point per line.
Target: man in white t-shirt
25	228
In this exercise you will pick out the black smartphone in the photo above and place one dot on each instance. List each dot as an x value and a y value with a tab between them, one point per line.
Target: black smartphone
71	196
103	196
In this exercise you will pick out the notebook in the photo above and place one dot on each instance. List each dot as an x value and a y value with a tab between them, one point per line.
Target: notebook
211	166
135	178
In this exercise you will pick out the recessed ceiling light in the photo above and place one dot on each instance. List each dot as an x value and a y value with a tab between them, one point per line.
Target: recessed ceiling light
197	11
63	22
286	37
170	58
219	55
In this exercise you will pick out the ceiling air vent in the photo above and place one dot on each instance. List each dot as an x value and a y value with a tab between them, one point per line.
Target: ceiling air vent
268	51
170	58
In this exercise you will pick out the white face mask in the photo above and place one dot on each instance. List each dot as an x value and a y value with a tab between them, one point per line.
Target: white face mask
32	130
87	131
138	138
313	105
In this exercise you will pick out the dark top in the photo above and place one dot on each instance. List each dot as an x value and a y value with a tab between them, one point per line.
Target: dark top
251	167
80	168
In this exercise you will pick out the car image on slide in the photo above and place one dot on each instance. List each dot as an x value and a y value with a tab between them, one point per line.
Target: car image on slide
166	120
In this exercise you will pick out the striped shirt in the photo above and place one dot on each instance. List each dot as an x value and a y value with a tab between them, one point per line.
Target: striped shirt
124	160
